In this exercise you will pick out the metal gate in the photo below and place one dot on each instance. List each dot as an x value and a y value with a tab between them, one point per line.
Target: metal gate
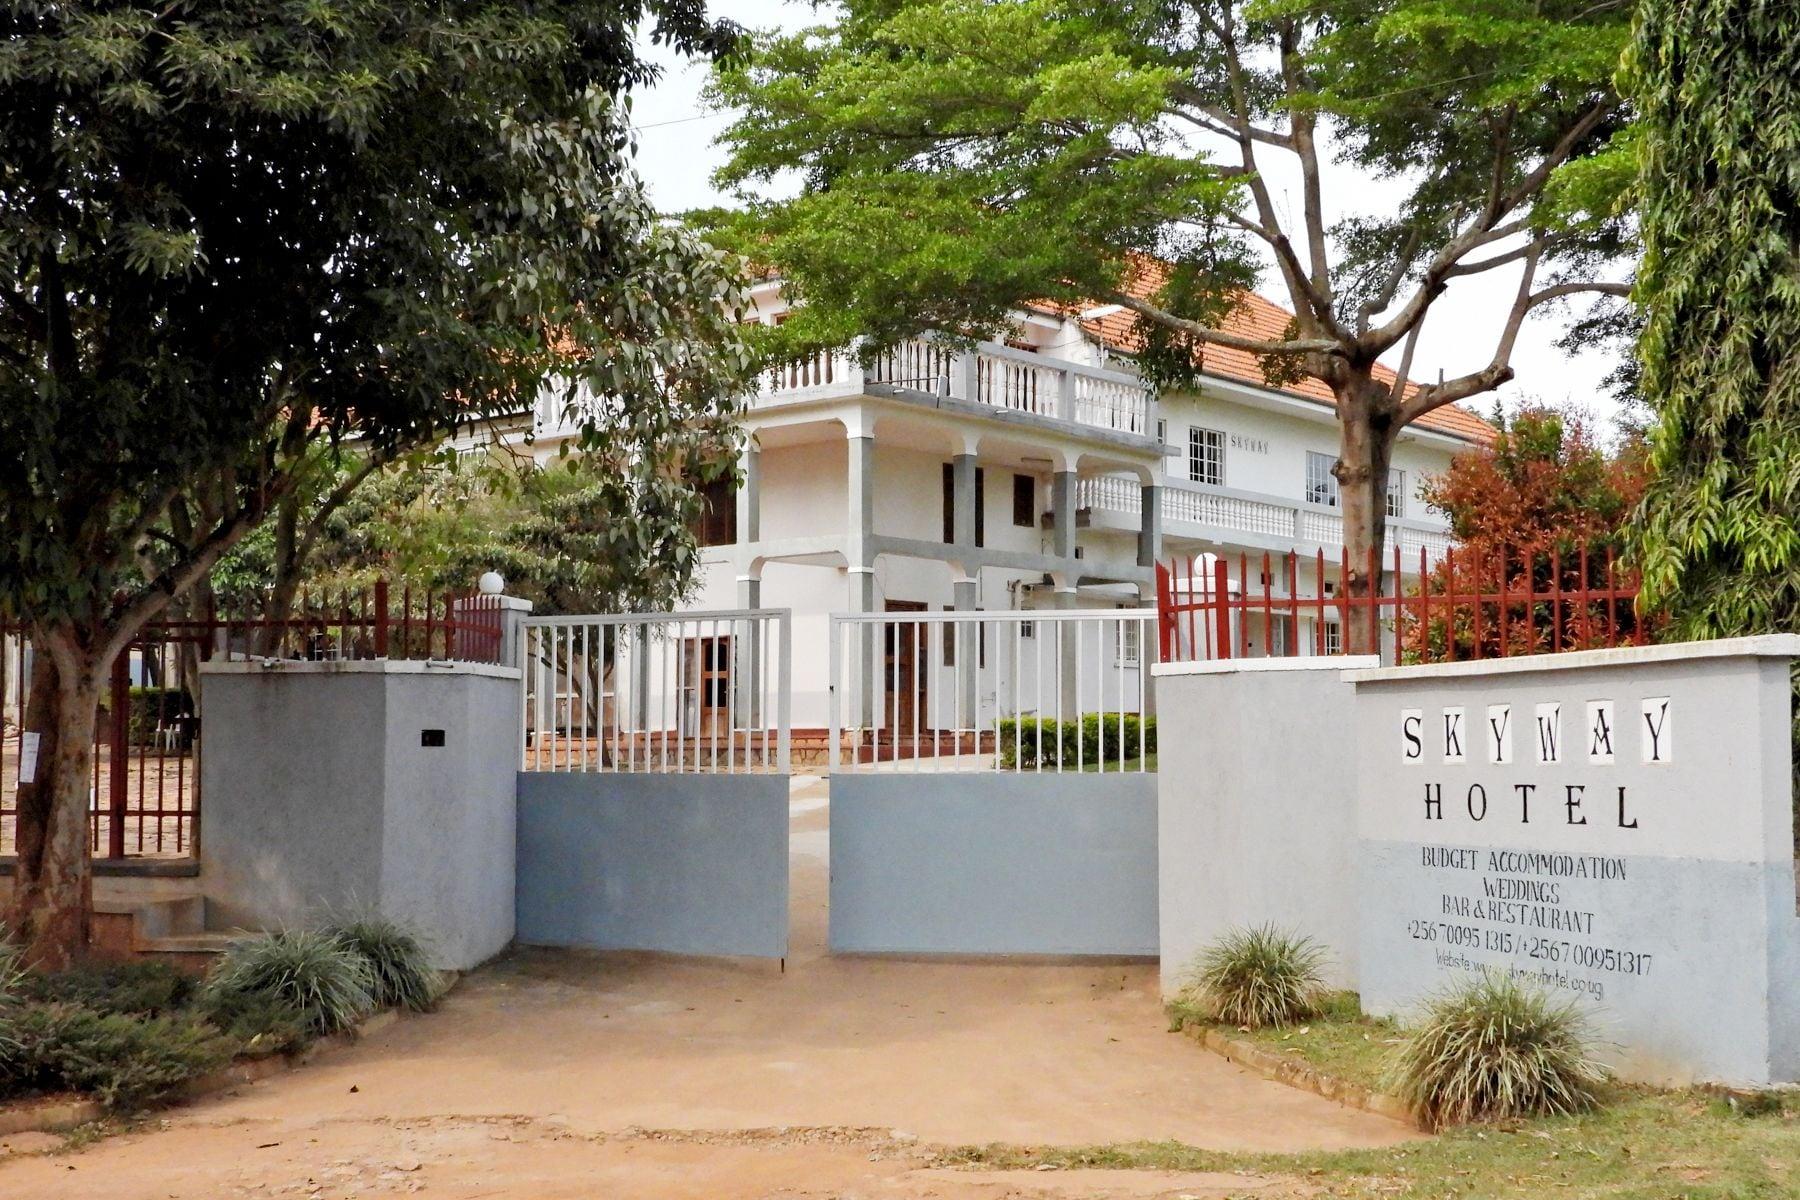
993	787
653	791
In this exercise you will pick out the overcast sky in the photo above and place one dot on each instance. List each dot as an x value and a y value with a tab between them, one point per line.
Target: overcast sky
677	158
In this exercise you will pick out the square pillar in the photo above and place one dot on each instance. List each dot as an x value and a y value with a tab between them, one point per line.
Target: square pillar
749	500
1149	547
1062	503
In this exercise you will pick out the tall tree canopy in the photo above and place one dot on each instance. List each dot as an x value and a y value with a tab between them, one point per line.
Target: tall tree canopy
958	158
230	233
1718	86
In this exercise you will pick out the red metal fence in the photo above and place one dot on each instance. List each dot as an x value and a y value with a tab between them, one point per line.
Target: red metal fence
146	764
1461	606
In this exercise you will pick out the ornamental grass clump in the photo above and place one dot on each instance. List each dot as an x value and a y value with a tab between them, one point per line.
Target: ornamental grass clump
328	984
399	966
1493	1048
1261	976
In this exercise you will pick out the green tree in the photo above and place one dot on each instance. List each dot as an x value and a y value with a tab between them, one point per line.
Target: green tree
957	158
588	533
1718	85
233	234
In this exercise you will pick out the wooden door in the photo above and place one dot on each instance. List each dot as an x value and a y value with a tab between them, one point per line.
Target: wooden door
709	684
905	655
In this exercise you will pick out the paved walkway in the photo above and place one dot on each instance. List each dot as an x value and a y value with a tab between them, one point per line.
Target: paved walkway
542	1075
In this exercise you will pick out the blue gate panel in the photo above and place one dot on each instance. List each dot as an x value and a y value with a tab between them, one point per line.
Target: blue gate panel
682	863
993	863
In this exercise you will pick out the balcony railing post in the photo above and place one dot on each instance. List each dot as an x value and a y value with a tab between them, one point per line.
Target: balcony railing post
969	365
1065	394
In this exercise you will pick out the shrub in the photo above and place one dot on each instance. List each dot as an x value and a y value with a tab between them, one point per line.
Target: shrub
398	964
145	988
122	1061
12	974
258	1023
329	985
1261	976
1033	741
1493	1047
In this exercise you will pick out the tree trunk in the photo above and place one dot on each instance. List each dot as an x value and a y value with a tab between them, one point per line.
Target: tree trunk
1365	450
53	882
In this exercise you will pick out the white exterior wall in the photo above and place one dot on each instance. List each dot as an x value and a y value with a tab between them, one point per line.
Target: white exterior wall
1266	451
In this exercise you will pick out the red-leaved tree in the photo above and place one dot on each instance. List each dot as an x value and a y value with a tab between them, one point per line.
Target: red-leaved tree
1540	511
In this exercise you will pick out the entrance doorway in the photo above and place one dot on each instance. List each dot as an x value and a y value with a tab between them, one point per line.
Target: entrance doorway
709	675
904	659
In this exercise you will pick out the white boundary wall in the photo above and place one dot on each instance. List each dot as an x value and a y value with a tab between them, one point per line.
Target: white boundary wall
1414	820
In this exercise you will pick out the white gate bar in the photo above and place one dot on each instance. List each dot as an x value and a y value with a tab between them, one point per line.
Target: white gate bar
1035	707
658	692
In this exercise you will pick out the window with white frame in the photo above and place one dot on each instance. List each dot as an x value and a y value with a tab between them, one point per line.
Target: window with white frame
1396	492
1334	638
1321	484
1126	643
1162	435
1206	456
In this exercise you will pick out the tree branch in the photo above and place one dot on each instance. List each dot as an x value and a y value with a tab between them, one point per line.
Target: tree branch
1499	369
1219	337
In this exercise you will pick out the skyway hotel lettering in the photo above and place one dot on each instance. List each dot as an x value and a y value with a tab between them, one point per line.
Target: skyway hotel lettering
1449	733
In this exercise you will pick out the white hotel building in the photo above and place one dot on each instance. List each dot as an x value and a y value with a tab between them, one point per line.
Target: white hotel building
1036	474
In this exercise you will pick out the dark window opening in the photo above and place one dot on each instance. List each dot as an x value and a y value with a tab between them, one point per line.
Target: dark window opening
717	522
1024	501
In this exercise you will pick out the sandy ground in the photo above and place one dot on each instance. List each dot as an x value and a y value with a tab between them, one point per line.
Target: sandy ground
557	1074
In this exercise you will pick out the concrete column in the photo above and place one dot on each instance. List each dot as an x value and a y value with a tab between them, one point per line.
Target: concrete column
863	672
965	591
1149	546
962	500
1062	503
1069	646
747	654
749	506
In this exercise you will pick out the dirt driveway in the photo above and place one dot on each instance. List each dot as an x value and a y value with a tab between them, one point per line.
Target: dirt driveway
558	1074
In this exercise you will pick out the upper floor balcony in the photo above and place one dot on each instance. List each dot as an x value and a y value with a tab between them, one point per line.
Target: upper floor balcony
1251	519
989	381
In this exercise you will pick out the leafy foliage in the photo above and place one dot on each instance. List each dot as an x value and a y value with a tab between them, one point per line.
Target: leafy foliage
399	968
1715	83
1494	1047
259	1024
1260	976
143	988
1525	511
960	160
1032	742
237	239
328	983
124	1061
576	535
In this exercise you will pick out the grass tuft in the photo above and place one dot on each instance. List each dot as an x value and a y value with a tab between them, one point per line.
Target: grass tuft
1260	976
328	984
398	963
1493	1048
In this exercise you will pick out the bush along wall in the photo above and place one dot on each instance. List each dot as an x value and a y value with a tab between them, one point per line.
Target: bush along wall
1030	743
132	1034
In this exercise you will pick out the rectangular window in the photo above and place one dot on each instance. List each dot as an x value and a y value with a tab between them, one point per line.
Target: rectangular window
1024	501
1334	638
1206	456
950	505
1396	493
1125	644
716	524
1321	484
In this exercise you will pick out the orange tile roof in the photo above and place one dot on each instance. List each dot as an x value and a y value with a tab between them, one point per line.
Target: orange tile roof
1257	317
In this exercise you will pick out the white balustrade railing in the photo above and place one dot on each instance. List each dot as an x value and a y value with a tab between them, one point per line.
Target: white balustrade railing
658	692
1265	516
1008	690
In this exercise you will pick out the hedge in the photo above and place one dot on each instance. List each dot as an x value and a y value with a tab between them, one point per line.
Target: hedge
1071	743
